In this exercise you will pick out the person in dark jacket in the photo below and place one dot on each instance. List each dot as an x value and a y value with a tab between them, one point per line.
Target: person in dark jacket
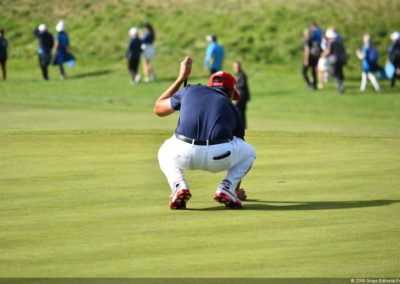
3	53
311	53
132	54
337	55
243	90
46	43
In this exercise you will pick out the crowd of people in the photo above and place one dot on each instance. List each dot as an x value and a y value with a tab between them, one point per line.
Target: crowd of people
50	51
215	115
56	51
325	55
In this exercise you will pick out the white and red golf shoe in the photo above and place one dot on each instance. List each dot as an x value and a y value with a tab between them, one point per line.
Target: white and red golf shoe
226	196
179	198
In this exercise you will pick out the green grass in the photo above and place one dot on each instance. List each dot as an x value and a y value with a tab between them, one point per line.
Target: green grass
99	95
83	196
81	191
254	31
93	203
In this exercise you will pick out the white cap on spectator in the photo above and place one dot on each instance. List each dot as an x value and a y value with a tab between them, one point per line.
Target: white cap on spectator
211	38
395	36
330	33
60	26
133	31
42	28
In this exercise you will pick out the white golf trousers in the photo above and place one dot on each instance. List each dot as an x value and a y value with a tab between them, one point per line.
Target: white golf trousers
175	156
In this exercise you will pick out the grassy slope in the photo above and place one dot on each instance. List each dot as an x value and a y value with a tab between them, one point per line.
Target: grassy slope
255	31
93	203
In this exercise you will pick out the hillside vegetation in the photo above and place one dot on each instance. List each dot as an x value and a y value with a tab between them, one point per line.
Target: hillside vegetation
257	31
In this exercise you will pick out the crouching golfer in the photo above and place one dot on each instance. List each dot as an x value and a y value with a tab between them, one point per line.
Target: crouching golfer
209	136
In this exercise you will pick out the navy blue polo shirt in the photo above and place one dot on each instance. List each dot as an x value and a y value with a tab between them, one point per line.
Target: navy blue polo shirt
206	114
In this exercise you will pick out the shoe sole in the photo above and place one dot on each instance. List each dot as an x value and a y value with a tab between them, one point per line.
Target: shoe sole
181	199
226	200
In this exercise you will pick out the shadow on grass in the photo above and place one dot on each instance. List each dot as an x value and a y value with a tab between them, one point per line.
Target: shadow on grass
91	74
255	204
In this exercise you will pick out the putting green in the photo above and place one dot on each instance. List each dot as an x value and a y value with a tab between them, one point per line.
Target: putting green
93	203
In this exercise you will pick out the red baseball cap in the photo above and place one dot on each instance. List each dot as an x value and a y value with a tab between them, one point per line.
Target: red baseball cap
224	80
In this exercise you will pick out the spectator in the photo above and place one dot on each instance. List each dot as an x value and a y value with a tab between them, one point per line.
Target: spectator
46	43
62	53
369	58
316	32
3	53
324	66
338	57
214	55
149	52
312	52
132	54
394	56
243	90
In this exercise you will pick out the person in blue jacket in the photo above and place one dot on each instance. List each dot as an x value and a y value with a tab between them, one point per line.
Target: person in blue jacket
369	60
62	53
316	32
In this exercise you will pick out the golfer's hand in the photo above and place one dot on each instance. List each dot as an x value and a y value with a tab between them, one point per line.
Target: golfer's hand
186	68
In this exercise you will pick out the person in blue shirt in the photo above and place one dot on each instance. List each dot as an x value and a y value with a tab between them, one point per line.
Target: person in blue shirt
209	136
46	43
316	32
3	53
214	55
149	52
369	61
62	53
